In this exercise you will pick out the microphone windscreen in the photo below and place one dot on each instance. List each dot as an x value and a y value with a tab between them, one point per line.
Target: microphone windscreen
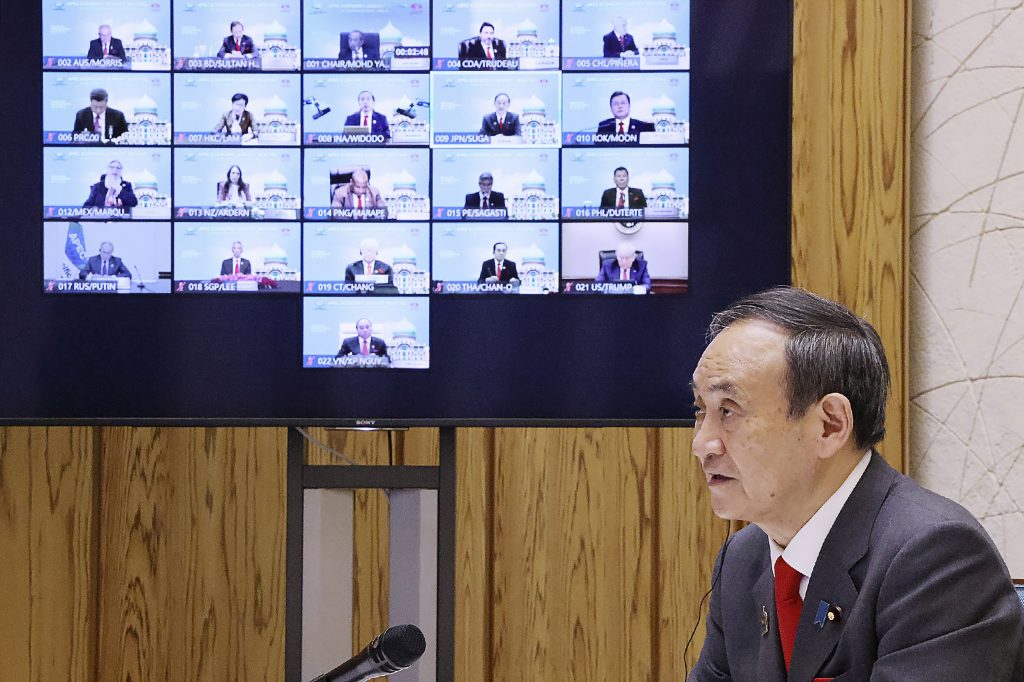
403	644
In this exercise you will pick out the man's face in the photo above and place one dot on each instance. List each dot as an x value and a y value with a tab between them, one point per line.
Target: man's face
355	40
626	259
619	26
236	249
237	30
486	184
105	251
364	328
621	179
360	184
104	34
369	253
758	462
114	168
620	106
486	35
98	106
365	101
501	104
238	106
499	251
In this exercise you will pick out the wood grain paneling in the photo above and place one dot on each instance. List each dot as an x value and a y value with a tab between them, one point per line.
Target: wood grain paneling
850	142
49	569
192	539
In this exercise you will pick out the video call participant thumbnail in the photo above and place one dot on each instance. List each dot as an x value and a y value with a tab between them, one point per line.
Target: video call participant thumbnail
618	41
621	123
357	193
236	265
233	191
106	46
237	120
99	118
483	47
368	263
376	123
105	264
363	343
625	267
355	48
112	191
486	197
622	195
501	121
499	268
237	44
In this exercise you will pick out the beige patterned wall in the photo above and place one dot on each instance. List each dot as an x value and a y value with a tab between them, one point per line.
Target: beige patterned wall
967	260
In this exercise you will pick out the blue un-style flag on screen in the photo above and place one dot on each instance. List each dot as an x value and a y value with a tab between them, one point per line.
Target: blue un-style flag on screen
74	247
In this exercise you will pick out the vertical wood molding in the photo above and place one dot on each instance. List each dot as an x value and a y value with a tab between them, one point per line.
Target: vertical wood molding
850	171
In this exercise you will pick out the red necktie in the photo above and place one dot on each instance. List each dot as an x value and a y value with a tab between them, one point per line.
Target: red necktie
625	274
489	55
788	605
621	127
497	271
105	49
622	202
486	203
359	201
238	46
366	351
96	127
366	121
236	266
622	42
501	121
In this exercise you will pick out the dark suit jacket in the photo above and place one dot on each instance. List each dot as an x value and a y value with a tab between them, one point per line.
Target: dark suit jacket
245	122
116	123
610	272
635	198
508	270
353	346
497	200
227	266
379	268
612	48
923	591
116	49
510	126
609	126
378	123
368	53
98	194
94	266
228	46
472	48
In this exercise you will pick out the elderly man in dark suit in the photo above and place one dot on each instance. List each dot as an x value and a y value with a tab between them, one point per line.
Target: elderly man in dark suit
850	571
237	44
236	265
498	269
625	267
99	118
484	46
486	197
106	46
618	42
501	121
364	342
622	195
105	264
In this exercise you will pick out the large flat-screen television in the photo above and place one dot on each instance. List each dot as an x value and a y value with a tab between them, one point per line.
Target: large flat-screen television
395	213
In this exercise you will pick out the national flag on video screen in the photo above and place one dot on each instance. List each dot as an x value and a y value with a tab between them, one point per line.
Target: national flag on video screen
74	246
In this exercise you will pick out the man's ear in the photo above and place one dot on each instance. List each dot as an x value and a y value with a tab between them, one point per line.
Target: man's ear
835	422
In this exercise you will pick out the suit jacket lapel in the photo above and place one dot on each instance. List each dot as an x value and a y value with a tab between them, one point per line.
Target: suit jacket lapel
770	664
845	545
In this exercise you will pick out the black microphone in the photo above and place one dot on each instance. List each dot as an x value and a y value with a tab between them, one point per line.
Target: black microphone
321	112
395	649
410	112
141	284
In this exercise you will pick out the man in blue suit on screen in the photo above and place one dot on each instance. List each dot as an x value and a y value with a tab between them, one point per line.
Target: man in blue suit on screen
621	123
366	117
106	46
625	267
850	570
501	121
237	44
105	264
617	42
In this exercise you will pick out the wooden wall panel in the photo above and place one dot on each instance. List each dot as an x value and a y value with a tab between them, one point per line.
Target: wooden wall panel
850	170
49	569
474	478
192	539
